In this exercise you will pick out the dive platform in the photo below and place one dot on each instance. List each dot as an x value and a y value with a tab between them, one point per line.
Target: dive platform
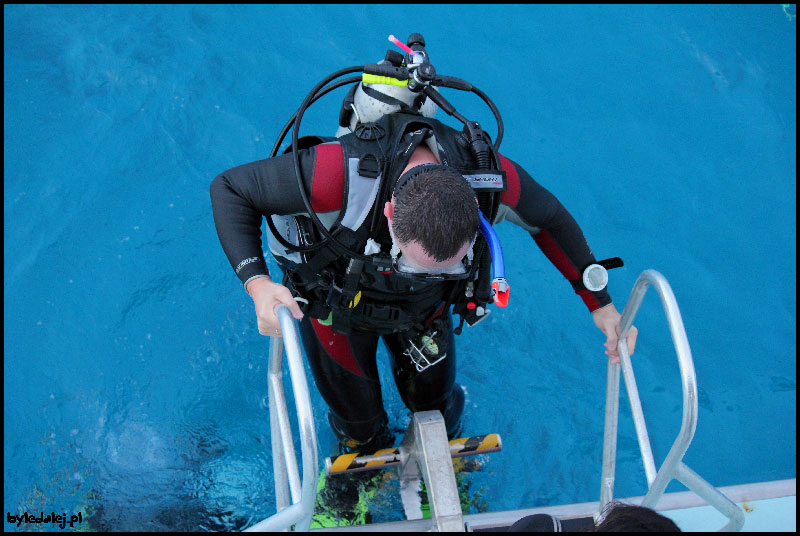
425	453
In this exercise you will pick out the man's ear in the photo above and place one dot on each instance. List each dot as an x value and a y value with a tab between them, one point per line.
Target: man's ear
388	210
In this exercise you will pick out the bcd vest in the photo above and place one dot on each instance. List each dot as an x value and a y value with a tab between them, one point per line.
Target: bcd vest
350	293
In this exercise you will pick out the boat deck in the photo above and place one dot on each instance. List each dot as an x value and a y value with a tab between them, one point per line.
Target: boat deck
768	506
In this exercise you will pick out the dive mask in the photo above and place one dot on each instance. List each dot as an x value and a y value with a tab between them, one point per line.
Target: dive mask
408	269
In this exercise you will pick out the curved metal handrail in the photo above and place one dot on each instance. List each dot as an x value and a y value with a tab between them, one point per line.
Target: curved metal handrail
673	466
287	477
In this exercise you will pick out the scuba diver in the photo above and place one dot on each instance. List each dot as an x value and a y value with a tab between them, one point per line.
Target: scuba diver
385	232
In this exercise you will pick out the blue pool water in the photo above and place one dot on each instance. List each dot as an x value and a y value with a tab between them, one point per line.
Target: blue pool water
134	376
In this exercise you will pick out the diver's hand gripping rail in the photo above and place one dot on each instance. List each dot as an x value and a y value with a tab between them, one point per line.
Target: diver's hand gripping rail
673	467
284	461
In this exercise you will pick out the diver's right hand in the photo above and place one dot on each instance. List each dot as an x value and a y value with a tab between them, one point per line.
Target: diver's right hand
266	297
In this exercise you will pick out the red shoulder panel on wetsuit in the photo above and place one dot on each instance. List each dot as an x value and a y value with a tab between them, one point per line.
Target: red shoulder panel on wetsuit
511	196
327	186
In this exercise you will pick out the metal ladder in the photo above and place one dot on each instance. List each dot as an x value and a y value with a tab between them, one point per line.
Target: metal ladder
425	451
284	461
673	466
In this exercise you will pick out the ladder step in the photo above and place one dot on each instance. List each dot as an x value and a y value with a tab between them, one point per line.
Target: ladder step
384	458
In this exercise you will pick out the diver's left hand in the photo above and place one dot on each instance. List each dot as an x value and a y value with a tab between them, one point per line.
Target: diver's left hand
607	320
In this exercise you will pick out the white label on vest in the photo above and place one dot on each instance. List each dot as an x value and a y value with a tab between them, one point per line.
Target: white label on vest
486	181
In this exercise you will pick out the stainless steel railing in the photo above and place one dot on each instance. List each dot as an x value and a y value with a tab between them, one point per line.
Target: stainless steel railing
673	466
302	494
287	476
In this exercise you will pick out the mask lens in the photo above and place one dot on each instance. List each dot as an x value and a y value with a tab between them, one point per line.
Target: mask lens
406	268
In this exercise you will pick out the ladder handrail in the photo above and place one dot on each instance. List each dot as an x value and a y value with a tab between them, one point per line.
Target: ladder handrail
287	478
303	494
673	466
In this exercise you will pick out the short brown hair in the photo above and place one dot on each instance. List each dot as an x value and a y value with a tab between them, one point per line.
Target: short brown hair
436	208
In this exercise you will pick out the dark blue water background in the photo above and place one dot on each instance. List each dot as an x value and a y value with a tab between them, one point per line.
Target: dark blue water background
134	376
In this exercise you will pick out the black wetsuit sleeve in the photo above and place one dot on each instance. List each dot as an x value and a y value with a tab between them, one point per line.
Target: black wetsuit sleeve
555	231
241	196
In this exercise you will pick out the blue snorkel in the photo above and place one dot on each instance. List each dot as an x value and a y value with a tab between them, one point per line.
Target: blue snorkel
500	287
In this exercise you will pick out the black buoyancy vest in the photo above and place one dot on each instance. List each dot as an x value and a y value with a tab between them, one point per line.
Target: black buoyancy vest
353	294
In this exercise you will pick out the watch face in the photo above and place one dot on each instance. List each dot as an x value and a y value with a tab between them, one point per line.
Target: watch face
595	278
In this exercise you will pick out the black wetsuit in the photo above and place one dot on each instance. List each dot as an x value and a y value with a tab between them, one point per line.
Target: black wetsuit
344	367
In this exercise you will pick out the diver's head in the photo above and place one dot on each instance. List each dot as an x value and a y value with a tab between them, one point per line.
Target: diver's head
433	218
